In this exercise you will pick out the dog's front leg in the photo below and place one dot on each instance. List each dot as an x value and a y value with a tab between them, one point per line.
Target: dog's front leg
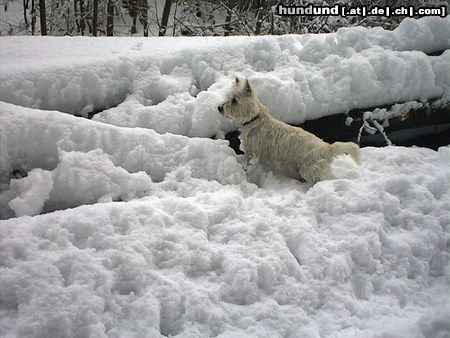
245	163
250	159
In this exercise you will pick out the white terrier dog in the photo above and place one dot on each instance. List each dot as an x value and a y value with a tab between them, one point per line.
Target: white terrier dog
284	149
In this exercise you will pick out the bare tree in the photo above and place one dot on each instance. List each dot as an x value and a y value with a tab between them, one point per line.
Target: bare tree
138	9
43	17
231	4
133	10
25	7
95	18
79	15
165	17
110	18
174	18
259	16
33	17
189	17
144	16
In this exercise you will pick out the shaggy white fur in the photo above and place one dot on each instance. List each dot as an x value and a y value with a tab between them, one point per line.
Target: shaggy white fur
282	148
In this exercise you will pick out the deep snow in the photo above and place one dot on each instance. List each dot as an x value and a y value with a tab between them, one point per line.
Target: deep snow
167	235
366	256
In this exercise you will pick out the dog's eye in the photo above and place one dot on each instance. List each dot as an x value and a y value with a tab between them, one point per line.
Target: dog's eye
234	101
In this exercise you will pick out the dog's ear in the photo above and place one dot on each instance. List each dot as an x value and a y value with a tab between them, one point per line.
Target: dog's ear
237	80
247	88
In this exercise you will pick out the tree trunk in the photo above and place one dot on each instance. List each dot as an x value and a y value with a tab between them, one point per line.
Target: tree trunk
82	25
133	26
25	5
259	16
43	17
110	18
231	4
68	21
144	17
79	15
133	10
33	17
95	18
165	17
174	18
76	15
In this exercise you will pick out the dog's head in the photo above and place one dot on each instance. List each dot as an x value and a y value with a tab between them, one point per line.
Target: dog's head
241	104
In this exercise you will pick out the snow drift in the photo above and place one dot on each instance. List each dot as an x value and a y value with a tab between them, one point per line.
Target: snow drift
345	258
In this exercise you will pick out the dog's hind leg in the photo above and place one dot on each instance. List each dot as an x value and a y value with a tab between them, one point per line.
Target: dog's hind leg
300	177
316	172
301	170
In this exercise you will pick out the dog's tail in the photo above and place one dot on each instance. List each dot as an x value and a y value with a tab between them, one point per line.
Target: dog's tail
348	148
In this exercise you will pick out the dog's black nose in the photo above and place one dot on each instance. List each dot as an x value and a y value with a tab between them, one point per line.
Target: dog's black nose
220	108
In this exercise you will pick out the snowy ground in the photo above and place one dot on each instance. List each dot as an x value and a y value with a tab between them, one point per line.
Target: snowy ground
149	231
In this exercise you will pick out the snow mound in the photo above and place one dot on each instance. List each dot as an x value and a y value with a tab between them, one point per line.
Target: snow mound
27	196
79	178
85	178
346	258
175	84
133	150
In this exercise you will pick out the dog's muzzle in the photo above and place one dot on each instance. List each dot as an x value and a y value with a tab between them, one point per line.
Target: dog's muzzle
220	108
